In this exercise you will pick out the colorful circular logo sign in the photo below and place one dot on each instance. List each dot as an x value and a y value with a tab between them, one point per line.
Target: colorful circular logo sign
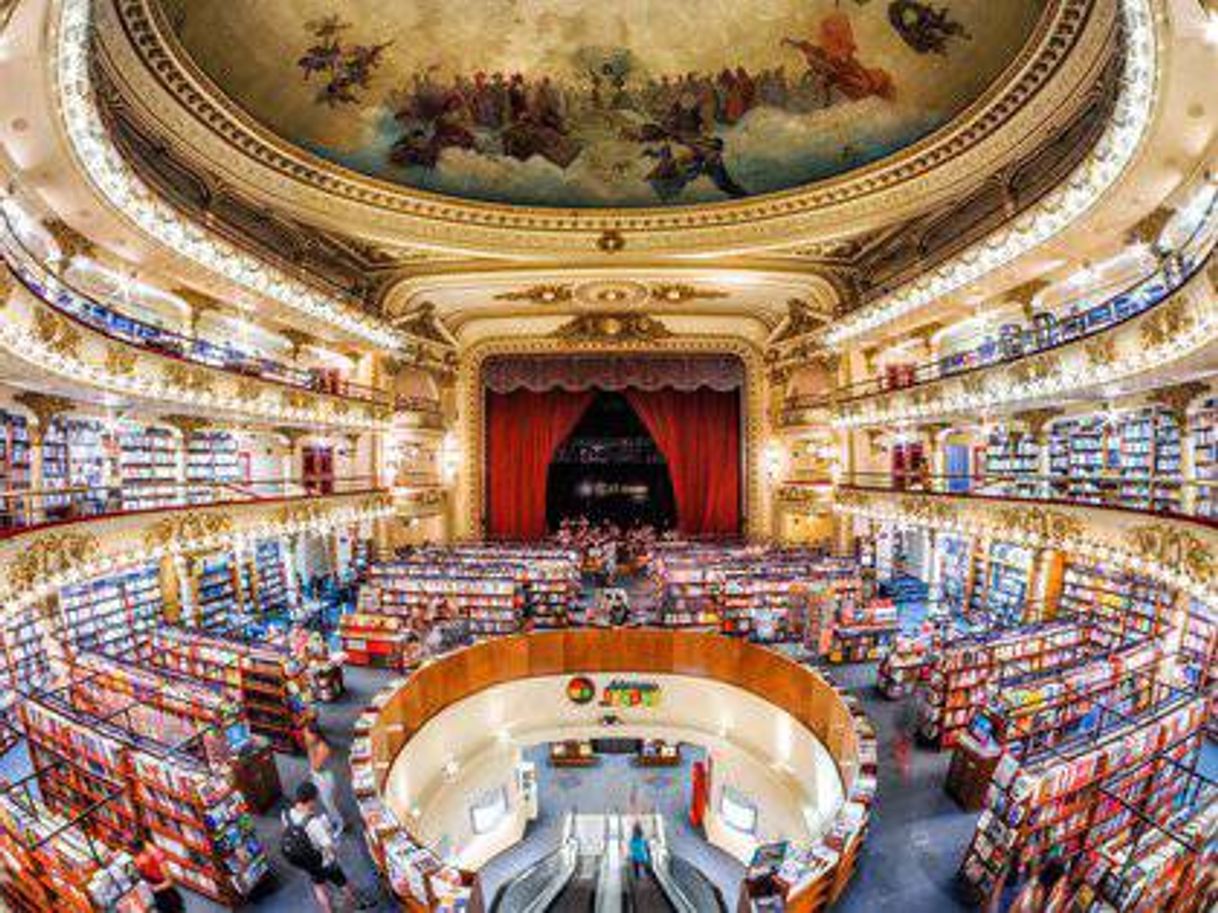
581	690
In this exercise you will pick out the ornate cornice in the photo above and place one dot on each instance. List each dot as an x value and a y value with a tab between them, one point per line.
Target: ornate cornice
623	329
1041	87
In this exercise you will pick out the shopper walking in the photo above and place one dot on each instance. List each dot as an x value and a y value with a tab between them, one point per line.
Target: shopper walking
640	855
321	774
308	844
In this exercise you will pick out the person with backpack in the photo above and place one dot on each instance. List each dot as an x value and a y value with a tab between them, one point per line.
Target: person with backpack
308	844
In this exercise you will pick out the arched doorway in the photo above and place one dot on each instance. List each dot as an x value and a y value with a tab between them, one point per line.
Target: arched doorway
610	468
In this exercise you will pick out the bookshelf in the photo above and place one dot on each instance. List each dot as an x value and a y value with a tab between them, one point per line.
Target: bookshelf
211	457
1157	867
1027	717
1001	586
864	633
1010	456
274	598
52	863
1147	460
26	639
73	456
906	663
1204	434
954	555
968	670
1060	802
111	614
1077	460
1119	605
214	587
1199	653
14	465
149	460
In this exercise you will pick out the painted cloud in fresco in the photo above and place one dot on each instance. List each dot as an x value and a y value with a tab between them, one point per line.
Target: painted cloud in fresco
564	103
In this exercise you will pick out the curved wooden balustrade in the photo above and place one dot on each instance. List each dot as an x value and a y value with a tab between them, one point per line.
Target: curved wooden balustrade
398	713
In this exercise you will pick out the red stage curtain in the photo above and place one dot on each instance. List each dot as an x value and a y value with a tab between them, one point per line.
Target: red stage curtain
699	434
523	429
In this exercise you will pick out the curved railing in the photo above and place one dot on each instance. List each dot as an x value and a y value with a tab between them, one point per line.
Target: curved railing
102	318
22	510
1183	325
400	712
1047	332
1164	496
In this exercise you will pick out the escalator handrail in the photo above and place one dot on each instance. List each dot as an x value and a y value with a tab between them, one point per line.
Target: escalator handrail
570	854
609	899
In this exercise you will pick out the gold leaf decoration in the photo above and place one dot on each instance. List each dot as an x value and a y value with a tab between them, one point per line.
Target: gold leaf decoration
300	514
186	528
248	389
120	360
930	510
1178	397
848	497
612	328
1033	369
1037	419
1173	547
188	377
1165	323
57	333
7	284
1037	522
542	293
295	399
975	385
50	554
1100	352
673	292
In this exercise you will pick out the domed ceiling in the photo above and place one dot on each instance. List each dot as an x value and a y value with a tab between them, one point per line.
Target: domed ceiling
579	104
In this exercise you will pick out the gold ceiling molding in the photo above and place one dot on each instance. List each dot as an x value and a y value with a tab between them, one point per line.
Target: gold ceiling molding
1044	86
424	323
120	360
1166	322
188	529
299	340
1100	352
613	292
50	555
44	406
1150	227
542	293
186	425
802	319
615	328
7	284
194	379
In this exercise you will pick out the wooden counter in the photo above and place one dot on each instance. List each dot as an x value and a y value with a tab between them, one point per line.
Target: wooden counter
770	676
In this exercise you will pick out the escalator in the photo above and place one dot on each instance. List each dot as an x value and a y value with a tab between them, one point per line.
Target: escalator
645	895
579	896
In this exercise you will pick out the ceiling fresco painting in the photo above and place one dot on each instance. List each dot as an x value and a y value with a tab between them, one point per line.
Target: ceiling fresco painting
576	104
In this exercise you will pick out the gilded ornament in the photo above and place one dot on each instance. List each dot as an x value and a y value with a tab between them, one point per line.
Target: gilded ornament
1165	323
294	399
56	333
1172	547
847	497
7	284
628	328
188	377
1048	526
1178	397
186	529
1100	352
120	360
676	292
929	510
1031	370
248	389
1037	419
48	555
300	514
974	385
540	294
